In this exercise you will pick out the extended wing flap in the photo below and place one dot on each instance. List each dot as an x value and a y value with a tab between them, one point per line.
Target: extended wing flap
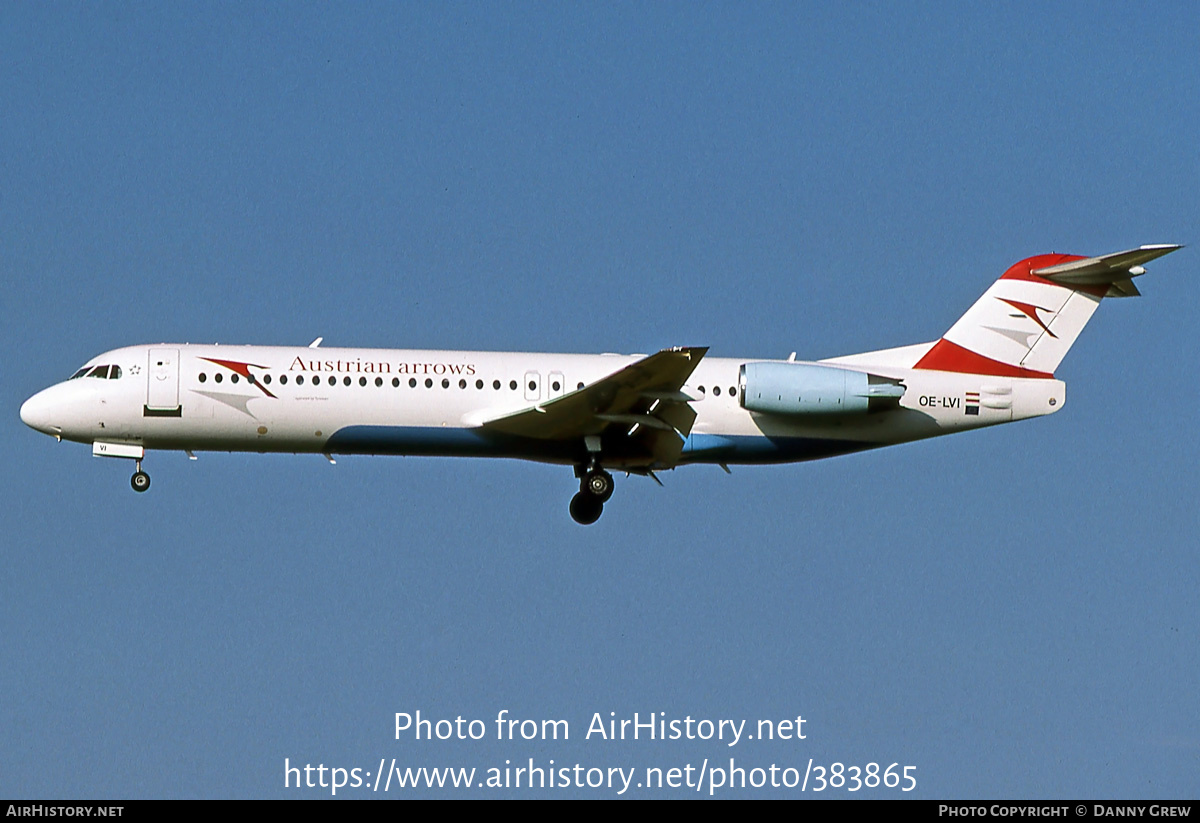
638	420
680	416
637	397
665	442
665	448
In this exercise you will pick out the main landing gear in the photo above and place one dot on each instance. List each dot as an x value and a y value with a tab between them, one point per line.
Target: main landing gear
140	480
595	488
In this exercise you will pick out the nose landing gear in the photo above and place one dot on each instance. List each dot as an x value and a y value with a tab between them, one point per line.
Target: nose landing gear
595	488
140	480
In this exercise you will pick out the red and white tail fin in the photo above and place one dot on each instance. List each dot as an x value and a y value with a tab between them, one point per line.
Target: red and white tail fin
1025	323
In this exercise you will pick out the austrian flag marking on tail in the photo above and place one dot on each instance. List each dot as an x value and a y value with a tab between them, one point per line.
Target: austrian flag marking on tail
971	406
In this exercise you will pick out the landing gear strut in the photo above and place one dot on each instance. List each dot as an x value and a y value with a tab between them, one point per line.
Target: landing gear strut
595	488
140	480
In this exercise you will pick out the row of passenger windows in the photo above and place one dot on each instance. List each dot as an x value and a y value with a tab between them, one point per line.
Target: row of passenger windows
315	380
103	372
114	372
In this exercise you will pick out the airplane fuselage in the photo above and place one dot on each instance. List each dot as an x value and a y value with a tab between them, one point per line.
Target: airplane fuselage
428	402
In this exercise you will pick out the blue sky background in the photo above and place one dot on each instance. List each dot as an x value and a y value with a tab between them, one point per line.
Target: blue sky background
1014	612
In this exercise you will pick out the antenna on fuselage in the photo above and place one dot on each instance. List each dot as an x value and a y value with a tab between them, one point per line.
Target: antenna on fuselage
316	343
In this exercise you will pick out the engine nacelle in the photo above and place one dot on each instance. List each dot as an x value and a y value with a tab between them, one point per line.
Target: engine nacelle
809	389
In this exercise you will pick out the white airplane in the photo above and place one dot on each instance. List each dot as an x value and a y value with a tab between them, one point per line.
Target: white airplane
635	413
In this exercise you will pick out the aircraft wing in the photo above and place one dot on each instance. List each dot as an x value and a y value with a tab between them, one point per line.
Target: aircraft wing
644	401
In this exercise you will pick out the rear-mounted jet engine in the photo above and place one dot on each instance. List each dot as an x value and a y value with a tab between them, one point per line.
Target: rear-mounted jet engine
807	389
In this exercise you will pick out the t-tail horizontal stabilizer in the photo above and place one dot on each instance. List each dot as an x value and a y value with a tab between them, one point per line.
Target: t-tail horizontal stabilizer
1115	270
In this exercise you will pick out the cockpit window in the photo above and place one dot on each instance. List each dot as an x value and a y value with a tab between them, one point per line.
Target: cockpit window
103	372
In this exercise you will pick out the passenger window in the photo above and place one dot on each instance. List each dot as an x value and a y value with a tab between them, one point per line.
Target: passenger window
462	384
512	385
233	378
346	380
217	377
479	384
332	380
267	379
496	385
412	382
203	377
283	379
378	382
445	383
362	381
429	382
395	382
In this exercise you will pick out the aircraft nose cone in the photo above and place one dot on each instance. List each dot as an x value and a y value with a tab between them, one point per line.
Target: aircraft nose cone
35	413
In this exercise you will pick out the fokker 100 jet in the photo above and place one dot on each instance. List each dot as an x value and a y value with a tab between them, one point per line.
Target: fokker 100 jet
639	414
